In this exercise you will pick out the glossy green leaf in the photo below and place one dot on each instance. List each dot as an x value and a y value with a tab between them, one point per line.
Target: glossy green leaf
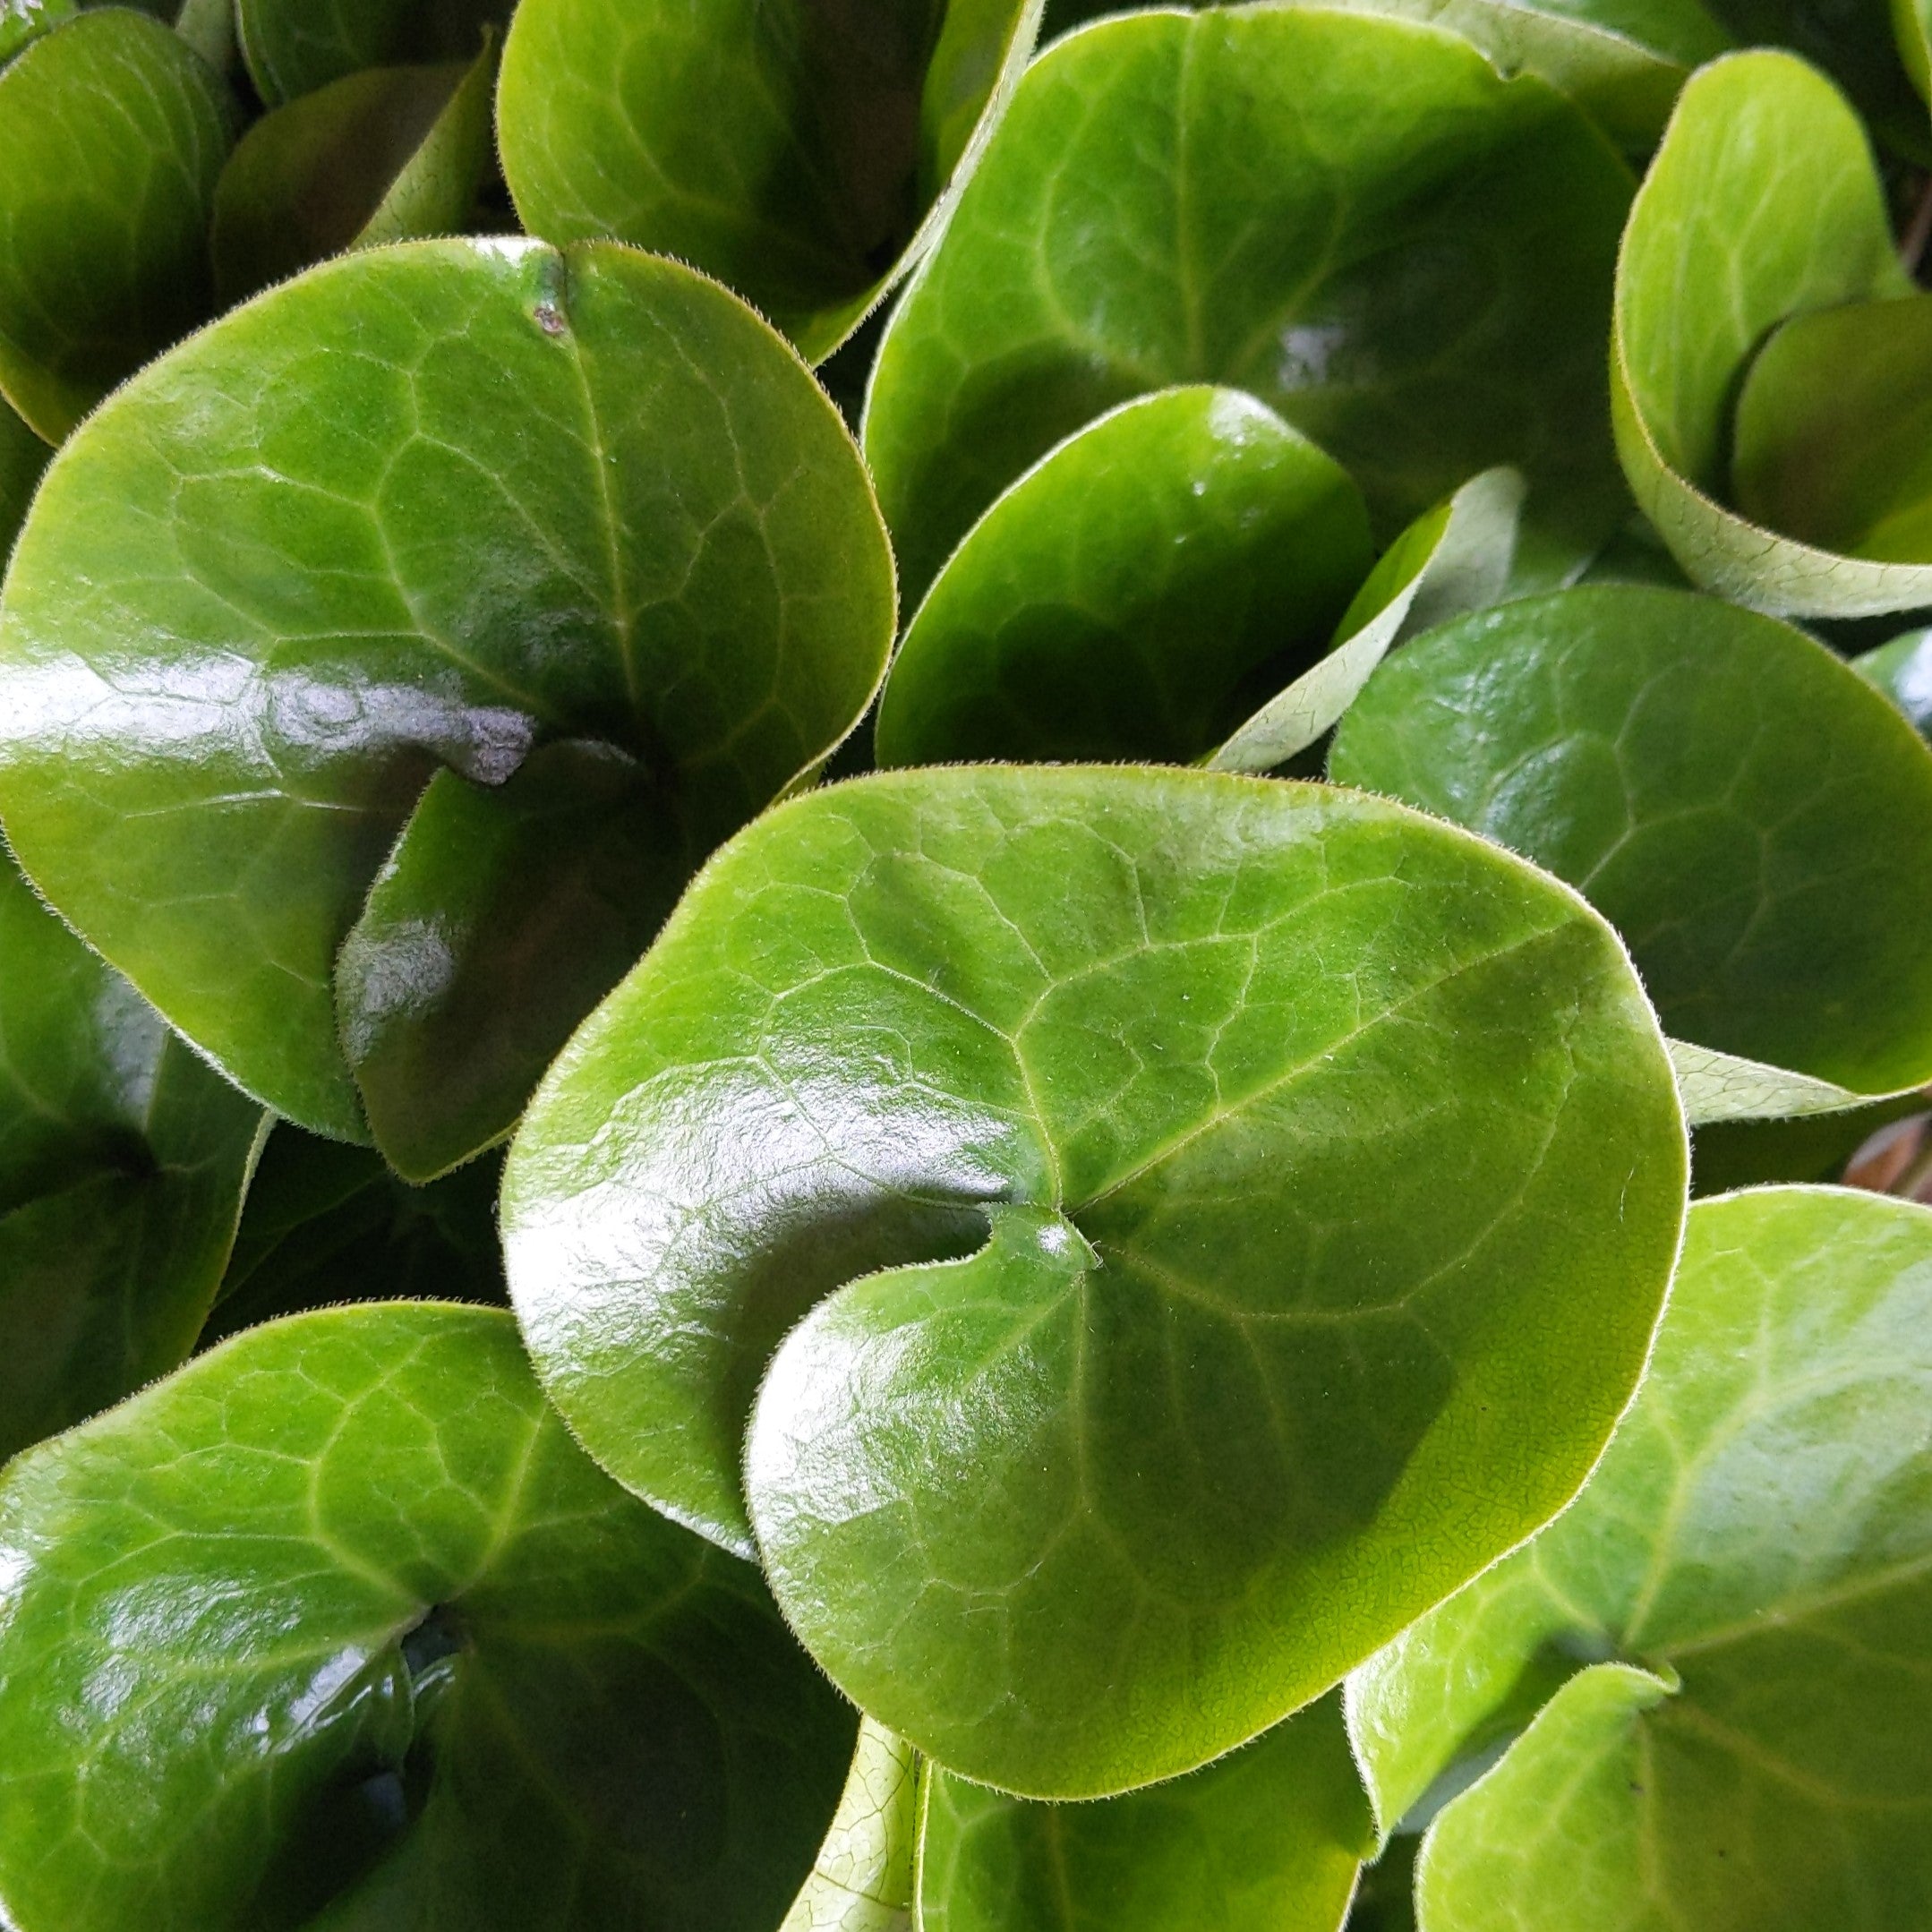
863	1878
103	216
123	1163
1268	1839
326	1223
1457	557
1751	815
1737	1608
338	1628
804	154
385	155
1222	1141
1832	428
1902	671
295	47
1134	594
361	564
1404	255
21	21
1763	204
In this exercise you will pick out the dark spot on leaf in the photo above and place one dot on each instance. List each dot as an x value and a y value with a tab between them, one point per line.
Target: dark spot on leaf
550	318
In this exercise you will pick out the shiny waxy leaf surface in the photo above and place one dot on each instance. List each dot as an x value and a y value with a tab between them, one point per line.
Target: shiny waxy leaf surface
382	155
123	1163
112	135
796	150
1751	815
1354	219
295	47
517	578
1222	1142
1737	1608
1268	1839
1764	204
338	1628
1133	595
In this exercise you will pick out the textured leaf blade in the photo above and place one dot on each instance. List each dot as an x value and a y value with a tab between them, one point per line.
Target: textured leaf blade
863	1879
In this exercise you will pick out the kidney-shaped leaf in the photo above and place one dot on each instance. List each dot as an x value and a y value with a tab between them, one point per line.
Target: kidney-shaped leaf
1282	1187
1134	594
1405	255
802	153
104	211
1268	1839
1746	1579
385	155
1750	813
338	1628
313	586
1763	204
123	1163
295	47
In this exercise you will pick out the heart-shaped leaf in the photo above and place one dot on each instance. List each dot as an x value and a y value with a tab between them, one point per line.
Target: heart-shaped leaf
546	570
123	1163
1268	1839
804	154
863	1879
1287	1111
295	47
338	1628
1752	816
1763	204
1902	671
1737	1607
1370	227
103	216
326	1223
385	155
1135	594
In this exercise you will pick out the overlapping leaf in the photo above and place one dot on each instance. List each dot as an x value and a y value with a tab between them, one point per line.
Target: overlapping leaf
1737	1609
1269	1839
1354	219
1749	813
804	154
123	1163
338	1628
1902	670
1210	1132
295	47
1135	595
112	134
1763	207
450	602
384	155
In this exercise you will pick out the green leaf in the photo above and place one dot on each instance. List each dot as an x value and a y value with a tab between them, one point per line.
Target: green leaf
208	26
295	47
21	21
1831	431
1457	557
863	1879
360	564
385	155
1854	42
1370	228
338	1628
1723	1087
1746	1578
1763	204
804	154
326	1223
1902	671
123	1164
103	216
1753	817
1268	1839
1128	597
1223	1142
1725	1155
